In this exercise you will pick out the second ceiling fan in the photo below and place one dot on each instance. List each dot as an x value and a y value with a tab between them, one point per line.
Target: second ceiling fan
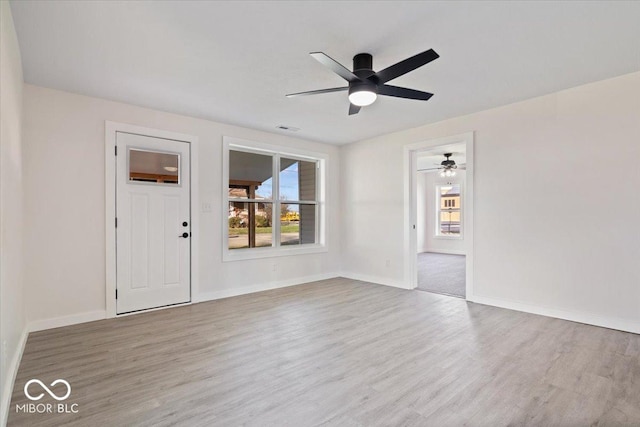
365	84
447	167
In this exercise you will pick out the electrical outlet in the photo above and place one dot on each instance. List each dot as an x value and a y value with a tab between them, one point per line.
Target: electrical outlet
206	207
387	263
274	267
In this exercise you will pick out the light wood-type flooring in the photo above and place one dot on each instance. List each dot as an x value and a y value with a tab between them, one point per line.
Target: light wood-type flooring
336	353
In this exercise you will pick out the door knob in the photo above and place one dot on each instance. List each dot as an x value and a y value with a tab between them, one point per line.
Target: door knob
185	235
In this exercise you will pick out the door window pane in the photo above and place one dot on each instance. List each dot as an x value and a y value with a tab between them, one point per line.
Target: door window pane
297	180
250	225
250	175
153	167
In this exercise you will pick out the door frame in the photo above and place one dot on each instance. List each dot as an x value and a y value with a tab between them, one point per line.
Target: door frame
111	128
410	206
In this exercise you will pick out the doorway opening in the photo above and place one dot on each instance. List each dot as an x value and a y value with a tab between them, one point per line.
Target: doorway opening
439	254
439	219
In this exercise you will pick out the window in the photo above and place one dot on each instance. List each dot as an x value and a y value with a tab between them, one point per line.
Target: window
153	167
273	201
448	213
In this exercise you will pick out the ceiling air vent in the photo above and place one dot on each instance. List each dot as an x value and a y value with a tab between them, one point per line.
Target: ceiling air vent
287	128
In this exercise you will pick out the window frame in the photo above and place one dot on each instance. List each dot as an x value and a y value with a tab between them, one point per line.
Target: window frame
438	211
276	152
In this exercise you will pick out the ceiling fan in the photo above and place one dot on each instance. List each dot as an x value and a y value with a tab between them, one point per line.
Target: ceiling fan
447	167
365	84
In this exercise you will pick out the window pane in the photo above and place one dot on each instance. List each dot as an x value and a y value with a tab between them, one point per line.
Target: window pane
297	180
153	167
250	175
450	196
297	224
450	222
449	216
250	225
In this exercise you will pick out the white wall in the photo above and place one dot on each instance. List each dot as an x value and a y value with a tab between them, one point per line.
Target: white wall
12	318
567	158
426	214
65	206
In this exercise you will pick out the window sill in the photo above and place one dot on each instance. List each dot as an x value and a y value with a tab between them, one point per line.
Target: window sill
449	237
258	253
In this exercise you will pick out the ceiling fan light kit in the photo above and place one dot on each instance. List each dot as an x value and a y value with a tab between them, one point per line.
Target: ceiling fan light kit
362	96
365	84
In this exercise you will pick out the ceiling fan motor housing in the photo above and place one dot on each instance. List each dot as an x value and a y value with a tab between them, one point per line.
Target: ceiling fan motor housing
363	68
363	86
449	164
362	62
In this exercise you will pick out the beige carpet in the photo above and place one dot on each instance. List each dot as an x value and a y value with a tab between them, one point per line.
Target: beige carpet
442	273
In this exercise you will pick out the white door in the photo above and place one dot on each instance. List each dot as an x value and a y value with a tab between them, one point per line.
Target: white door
153	223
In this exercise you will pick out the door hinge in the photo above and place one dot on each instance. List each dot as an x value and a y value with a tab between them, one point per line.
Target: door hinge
116	152
116	222
116	294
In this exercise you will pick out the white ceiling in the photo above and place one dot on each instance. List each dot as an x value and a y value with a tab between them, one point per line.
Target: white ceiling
233	62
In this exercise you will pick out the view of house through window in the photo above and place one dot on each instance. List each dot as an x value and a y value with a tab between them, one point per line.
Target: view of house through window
264	214
448	214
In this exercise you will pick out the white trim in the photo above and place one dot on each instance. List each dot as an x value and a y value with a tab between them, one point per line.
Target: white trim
110	129
410	206
574	316
444	251
227	293
376	280
10	380
277	152
269	252
73	319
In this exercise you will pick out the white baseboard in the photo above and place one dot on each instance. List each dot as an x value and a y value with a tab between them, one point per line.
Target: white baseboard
7	387
580	317
226	293
57	322
376	280
445	251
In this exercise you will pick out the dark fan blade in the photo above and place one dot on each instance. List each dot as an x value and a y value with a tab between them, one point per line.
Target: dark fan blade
335	66
353	109
409	64
402	92
316	92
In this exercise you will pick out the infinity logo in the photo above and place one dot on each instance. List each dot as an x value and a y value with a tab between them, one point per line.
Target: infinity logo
52	394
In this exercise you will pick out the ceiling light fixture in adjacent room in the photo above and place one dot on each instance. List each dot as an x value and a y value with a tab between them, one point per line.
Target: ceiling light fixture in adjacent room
447	173
171	169
448	167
